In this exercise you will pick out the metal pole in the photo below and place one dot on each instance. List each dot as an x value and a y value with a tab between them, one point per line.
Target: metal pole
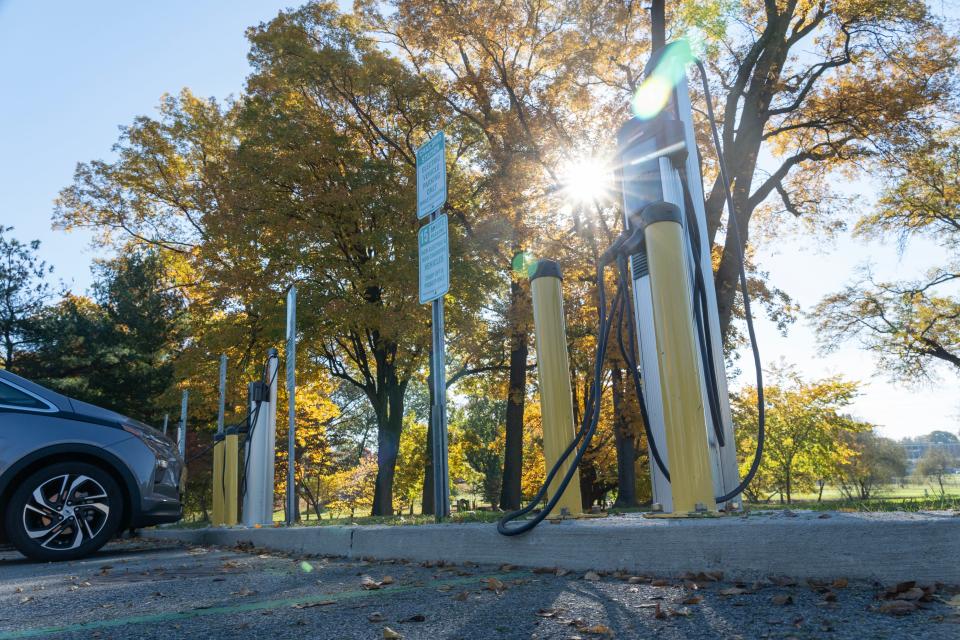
166	420
182	435
219	477
291	404
223	392
438	367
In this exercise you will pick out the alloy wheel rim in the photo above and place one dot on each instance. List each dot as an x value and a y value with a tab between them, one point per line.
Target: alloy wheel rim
65	511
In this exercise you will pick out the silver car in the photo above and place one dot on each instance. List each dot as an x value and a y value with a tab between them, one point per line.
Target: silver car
74	475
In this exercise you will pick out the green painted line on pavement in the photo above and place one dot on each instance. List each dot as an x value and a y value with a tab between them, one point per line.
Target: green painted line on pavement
173	616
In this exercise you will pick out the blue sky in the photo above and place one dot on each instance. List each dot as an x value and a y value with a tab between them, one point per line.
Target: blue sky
73	72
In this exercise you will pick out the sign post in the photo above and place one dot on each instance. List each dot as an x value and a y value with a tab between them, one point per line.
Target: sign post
434	250
182	433
291	404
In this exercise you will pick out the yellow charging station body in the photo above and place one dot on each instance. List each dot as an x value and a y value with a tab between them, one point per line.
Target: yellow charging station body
231	468
689	462
217	517
553	371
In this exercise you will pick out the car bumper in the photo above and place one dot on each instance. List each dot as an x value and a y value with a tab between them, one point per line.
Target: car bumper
159	511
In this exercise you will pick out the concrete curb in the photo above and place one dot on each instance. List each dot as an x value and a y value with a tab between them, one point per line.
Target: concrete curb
882	547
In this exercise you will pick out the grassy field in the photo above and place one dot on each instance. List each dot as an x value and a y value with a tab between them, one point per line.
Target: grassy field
893	491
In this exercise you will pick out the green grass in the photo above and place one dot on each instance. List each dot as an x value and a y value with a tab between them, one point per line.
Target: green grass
874	504
912	490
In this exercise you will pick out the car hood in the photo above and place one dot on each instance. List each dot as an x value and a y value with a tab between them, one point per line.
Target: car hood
99	413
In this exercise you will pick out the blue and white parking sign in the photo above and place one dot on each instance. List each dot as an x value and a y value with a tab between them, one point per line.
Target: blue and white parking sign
431	176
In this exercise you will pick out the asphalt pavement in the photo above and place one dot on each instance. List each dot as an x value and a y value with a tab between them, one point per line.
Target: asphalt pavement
158	589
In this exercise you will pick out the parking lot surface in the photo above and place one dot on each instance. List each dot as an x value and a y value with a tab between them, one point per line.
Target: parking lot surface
149	589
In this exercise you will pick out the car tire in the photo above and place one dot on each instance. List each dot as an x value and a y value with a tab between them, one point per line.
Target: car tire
64	511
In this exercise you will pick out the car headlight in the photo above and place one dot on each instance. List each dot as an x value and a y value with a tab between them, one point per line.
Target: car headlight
156	443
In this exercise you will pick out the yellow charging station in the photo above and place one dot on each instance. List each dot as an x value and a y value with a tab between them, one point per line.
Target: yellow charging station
231	469
553	371
217	517
689	462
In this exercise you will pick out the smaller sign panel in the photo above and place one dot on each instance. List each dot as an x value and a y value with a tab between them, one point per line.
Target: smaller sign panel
434	247
431	176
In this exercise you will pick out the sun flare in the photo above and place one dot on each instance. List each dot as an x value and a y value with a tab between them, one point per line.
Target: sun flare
587	180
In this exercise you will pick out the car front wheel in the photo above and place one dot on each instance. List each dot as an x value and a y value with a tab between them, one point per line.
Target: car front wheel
64	511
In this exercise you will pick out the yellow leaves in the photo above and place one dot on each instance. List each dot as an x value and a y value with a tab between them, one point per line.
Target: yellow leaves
806	430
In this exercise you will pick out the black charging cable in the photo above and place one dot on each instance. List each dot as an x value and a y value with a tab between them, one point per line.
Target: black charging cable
591	416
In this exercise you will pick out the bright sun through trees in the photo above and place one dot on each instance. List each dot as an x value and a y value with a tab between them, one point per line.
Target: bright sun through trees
587	180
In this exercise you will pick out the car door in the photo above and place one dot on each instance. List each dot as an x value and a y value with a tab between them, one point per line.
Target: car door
29	423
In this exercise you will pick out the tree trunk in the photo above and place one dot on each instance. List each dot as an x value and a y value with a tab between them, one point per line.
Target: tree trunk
727	277
787	478
8	357
510	489
426	498
625	444
389	424
658	24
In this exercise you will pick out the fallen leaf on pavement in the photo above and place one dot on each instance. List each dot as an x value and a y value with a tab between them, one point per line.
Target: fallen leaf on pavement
386	580
310	605
898	607
494	585
693	600
682	612
25	599
376	616
783	581
390	634
899	588
598	630
369	583
914	593
417	617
